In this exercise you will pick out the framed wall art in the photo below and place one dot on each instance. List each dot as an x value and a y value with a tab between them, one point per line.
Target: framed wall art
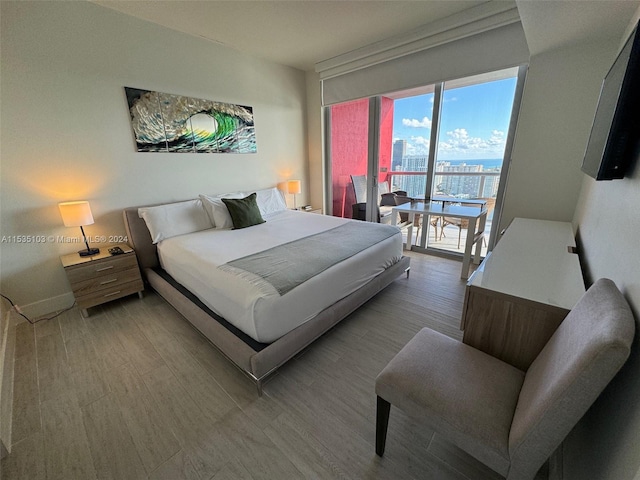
164	122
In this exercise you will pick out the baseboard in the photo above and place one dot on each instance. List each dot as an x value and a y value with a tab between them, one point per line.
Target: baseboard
48	306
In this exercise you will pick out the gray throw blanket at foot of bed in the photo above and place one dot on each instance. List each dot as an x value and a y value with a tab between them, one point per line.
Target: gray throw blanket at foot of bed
286	266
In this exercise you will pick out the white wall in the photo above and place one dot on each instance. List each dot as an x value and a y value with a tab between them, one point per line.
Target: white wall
545	182
66	133
314	122
606	443
558	103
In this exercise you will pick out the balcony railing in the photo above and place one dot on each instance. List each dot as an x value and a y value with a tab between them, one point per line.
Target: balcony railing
456	184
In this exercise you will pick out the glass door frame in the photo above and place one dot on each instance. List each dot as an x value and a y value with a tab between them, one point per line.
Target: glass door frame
506	159
433	140
373	158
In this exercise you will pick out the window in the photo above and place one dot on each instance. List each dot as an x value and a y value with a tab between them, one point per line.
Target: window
412	120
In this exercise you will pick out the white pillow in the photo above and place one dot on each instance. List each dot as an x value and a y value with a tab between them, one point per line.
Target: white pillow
217	210
270	200
166	221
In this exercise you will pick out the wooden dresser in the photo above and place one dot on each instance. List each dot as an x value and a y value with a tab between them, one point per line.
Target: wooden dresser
102	277
522	291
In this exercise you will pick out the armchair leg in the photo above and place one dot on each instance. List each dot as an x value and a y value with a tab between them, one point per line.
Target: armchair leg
382	421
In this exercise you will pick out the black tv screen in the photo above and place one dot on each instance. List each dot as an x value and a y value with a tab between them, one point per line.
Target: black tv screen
614	143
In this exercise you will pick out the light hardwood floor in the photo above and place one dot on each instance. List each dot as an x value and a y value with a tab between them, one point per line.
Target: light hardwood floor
134	391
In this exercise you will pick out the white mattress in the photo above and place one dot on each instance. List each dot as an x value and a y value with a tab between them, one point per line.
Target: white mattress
192	259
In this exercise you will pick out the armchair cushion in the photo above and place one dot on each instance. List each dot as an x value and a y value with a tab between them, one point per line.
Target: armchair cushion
359	212
387	199
458	389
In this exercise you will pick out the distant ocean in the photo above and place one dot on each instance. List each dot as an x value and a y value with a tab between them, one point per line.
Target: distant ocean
486	162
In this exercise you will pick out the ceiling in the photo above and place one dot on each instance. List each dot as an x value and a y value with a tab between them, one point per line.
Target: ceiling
552	24
300	33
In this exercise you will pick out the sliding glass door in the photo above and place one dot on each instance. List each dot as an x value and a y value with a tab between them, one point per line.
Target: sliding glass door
348	152
451	139
471	152
412	130
359	149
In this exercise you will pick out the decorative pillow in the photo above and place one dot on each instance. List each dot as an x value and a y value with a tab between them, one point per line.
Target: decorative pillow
270	200
244	211
217	210
166	221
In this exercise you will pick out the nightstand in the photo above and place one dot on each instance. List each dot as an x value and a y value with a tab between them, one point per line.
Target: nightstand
102	277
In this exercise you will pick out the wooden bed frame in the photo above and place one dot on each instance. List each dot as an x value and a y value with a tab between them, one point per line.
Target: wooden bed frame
256	363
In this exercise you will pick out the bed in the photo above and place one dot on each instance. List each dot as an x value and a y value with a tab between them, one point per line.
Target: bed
257	320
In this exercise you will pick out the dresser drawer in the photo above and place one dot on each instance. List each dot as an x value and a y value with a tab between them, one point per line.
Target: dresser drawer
109	293
93	270
112	279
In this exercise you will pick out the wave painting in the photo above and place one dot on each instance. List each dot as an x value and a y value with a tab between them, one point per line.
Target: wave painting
173	123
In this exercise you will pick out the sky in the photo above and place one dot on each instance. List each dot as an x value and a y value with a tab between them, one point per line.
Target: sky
474	121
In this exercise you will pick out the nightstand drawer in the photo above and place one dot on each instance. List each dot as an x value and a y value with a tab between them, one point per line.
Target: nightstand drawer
108	294
88	271
105	281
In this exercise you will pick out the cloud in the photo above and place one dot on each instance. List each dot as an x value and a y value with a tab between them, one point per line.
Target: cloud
459	144
459	141
417	145
497	138
420	140
415	123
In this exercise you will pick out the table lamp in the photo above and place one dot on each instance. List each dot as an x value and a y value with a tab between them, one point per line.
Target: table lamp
294	187
78	214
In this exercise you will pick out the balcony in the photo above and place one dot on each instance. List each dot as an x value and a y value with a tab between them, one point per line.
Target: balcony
462	185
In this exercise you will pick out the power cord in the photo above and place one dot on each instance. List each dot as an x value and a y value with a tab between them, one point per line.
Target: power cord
33	322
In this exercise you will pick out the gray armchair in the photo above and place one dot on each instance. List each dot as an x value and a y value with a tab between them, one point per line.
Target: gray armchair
510	420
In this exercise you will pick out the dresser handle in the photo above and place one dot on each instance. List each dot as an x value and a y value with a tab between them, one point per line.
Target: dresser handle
104	268
111	294
109	281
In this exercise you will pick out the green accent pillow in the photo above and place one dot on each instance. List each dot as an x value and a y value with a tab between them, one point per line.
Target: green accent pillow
244	211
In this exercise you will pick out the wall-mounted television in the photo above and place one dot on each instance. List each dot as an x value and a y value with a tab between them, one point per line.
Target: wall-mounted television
614	143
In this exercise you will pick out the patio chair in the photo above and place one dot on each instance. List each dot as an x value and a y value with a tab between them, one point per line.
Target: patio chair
433	220
385	203
461	223
510	420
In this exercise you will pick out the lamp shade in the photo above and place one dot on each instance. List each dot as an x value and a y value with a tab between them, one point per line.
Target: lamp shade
294	186
76	214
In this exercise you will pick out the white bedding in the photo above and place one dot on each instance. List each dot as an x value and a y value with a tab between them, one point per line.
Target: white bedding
191	259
